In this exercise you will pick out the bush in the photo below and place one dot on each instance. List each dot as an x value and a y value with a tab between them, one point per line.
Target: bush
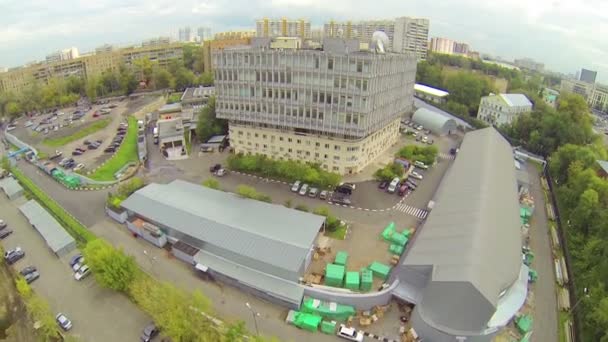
112	267
211	183
301	207
332	223
389	172
287	170
38	309
425	154
250	192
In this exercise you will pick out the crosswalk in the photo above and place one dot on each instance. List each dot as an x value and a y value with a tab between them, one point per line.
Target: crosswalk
446	156
412	211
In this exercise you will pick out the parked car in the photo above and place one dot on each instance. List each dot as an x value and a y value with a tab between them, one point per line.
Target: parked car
79	167
430	141
402	190
28	269
303	189
110	149
313	192
296	186
82	272
14	255
78	265
2	224
350	333
215	167
28	123
75	259
420	165
87	142
57	155
323	195
418	137
63	321
220	172
30	277
340	198
76	152
10	127
392	187
4	233
149	332
453	151
425	139
416	175
93	146
382	185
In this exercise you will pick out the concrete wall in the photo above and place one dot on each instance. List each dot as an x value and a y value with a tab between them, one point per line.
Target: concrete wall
429	333
361	301
183	256
66	249
120	217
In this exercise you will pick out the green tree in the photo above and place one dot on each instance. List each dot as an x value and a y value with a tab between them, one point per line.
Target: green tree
301	207
162	79
208	124
389	172
112	267
40	312
211	183
206	79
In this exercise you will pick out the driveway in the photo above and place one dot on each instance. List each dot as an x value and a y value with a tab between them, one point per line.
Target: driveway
92	309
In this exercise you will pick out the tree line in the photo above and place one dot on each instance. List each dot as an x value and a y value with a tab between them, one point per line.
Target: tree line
565	137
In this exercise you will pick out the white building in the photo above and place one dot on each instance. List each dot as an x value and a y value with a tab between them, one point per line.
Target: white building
503	108
62	55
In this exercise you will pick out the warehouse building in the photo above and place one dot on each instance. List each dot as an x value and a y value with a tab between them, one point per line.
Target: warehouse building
464	268
11	188
430	94
258	247
58	240
438	124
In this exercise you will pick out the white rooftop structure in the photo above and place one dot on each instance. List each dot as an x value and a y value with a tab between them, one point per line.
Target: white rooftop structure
516	100
430	90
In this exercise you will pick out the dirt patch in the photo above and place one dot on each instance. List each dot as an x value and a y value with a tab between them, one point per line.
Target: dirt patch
15	324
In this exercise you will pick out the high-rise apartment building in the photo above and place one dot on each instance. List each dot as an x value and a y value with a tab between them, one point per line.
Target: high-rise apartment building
461	48
282	28
595	94
336	106
185	34
448	46
588	75
104	48
203	33
361	30
411	35
62	55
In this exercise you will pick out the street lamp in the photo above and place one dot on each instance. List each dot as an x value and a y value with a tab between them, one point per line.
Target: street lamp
586	295
255	317
152	259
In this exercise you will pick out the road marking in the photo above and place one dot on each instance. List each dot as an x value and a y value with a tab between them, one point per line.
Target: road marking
446	156
412	211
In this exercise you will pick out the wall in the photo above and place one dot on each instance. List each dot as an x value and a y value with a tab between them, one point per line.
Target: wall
428	333
361	301
189	259
121	217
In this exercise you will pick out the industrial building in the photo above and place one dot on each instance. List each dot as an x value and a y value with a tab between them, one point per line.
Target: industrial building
430	94
58	240
258	247
502	108
438	124
12	189
464	269
337	106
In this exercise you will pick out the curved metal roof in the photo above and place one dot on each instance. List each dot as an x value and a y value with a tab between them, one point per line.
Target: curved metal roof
436	122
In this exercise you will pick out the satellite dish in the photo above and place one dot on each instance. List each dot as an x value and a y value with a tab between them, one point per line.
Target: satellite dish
379	42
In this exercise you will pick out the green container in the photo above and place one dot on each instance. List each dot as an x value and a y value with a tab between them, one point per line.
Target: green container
341	258
328	310
388	231
328	327
396	249
307	321
367	279
380	270
334	275
399	239
352	281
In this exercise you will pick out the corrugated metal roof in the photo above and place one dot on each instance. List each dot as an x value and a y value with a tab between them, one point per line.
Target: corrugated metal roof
436	122
430	90
473	233
277	287
516	100
270	233
52	232
10	186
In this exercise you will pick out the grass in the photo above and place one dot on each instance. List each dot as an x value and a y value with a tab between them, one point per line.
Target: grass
561	332
127	152
188	140
94	127
71	225
338	234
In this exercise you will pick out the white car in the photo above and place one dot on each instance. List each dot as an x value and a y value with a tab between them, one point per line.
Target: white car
10	128
78	265
28	124
303	190
419	128
82	272
78	167
350	333
420	165
2	224
63	321
425	139
416	175
296	186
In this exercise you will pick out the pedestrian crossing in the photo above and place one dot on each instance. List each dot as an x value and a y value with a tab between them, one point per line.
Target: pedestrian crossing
446	156
419	213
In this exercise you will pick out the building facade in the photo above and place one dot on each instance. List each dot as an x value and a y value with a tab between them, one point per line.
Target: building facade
503	108
442	45
185	34
362	30
411	35
338	107
595	94
222	40
282	28
62	55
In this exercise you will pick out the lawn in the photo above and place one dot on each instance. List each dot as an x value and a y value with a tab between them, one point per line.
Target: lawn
127	152
338	234
94	127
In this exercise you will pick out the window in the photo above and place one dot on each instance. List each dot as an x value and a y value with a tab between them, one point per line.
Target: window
359	66
317	144
263	136
336	147
256	135
330	64
325	156
240	132
307	153
289	150
326	145
288	139
335	168
316	155
299	141
280	138
336	157
265	146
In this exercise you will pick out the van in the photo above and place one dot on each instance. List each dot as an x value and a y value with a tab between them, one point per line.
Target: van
393	186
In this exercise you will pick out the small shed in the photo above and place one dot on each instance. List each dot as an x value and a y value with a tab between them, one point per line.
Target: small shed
55	236
438	124
11	188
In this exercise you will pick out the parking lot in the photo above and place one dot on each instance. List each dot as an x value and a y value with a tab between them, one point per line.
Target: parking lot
97	314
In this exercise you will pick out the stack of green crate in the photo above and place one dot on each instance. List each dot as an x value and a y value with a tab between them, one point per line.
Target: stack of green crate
367	279
334	275
328	327
396	249
380	270
352	281
341	258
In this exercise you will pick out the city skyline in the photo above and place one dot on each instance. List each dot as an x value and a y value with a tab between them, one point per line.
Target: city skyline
494	28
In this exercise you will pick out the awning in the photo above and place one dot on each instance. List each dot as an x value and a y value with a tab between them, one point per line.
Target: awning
512	301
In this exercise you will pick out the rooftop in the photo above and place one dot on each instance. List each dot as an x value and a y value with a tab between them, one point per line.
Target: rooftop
430	90
266	232
603	164
170	108
10	186
170	128
52	232
516	100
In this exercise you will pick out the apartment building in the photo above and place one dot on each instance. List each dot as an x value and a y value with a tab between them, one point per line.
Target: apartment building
336	106
87	65
595	94
282	28
361	30
502	109
448	46
62	55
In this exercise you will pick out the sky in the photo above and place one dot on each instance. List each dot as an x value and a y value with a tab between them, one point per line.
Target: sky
566	35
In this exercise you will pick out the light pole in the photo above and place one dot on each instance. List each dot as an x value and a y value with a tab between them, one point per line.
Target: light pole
152	259
255	317
586	295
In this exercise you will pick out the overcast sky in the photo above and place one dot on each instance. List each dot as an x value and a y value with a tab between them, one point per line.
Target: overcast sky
564	34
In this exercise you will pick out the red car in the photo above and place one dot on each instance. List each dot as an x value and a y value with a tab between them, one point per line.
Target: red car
96	115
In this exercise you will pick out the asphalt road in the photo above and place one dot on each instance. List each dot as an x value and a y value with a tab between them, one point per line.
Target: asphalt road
92	309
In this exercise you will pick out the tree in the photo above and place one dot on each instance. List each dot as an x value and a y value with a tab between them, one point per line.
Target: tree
389	172
211	183
126	188
208	124
301	207
331	222
40	312
112	267
184	78
162	79
206	79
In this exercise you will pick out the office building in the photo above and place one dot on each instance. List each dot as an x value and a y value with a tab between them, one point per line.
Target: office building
224	40
185	34
62	55
588	75
282	28
361	30
595	94
502	108
338	106
529	64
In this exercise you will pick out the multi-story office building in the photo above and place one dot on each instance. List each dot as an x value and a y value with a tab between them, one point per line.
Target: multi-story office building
185	34
529	64
588	75
411	35
62	55
337	106
361	30
87	65
595	94
502	108
222	40
282	28
203	33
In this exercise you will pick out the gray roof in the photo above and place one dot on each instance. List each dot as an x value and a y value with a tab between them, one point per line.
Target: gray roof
278	287
418	103
216	139
270	233
604	165
436	122
52	232
10	186
471	242
516	100
170	108
170	128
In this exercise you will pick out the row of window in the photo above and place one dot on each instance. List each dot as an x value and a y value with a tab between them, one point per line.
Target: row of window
304	60
298	141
